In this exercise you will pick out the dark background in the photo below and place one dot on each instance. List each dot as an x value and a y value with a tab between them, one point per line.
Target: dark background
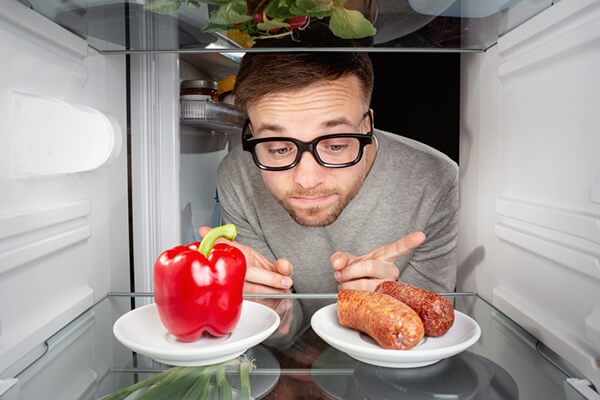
417	95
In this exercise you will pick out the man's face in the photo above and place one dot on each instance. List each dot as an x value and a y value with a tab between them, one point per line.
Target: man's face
314	195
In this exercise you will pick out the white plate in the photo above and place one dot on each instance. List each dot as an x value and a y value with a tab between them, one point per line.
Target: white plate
463	334
142	331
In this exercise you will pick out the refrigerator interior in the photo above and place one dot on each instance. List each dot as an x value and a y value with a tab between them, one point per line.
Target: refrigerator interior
203	146
529	229
64	235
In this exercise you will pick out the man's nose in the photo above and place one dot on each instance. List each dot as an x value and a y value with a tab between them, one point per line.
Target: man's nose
308	173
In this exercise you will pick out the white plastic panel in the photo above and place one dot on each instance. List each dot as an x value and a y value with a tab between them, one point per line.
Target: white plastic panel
54	137
530	176
70	353
155	159
63	229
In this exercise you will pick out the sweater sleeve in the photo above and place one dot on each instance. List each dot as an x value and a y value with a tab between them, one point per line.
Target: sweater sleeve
237	211
432	265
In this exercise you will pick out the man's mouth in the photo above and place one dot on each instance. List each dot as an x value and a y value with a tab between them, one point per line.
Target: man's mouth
312	201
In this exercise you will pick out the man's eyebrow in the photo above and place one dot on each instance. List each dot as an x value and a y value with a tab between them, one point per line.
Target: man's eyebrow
269	127
336	122
331	123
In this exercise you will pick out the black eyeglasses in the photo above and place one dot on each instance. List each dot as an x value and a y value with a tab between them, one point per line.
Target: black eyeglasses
337	150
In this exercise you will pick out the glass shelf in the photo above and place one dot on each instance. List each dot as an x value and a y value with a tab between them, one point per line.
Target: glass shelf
126	26
505	363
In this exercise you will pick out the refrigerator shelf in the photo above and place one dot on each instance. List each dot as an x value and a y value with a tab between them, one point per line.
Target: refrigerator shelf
126	26
212	116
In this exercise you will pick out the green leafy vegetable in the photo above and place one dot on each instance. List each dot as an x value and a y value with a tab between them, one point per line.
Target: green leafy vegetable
230	14
350	24
267	18
163	6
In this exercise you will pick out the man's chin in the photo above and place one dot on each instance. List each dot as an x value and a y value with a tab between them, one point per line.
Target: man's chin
313	217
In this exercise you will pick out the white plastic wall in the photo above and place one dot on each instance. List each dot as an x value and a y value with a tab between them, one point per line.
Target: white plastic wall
63	230
530	179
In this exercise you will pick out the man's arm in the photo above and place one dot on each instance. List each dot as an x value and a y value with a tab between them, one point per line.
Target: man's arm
432	263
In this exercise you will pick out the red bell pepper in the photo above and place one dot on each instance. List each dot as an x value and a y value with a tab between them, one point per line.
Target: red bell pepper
199	287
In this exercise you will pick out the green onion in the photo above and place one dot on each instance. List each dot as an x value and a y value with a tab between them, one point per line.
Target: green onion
199	390
191	383
223	388
123	393
245	390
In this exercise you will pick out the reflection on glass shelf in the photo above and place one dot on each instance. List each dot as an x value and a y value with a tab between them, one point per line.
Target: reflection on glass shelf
464	376
129	26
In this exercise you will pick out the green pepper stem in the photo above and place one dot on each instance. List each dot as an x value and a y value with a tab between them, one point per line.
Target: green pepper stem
228	231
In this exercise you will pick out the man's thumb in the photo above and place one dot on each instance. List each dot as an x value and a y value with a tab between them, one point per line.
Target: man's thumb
204	230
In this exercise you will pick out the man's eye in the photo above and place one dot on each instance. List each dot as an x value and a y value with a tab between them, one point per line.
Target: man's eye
279	151
337	147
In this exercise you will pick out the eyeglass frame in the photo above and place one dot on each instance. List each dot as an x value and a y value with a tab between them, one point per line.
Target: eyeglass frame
249	144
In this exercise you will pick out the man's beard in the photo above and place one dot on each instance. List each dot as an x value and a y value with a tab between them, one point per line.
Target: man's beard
310	216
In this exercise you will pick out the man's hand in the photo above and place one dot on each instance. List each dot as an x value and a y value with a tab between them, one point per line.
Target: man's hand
264	276
366	271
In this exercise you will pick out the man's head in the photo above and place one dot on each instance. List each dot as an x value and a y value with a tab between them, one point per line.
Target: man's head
263	73
304	96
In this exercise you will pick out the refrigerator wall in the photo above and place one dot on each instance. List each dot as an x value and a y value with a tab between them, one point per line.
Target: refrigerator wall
63	202
173	165
530	179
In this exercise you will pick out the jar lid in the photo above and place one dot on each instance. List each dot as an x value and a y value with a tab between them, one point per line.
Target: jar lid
199	84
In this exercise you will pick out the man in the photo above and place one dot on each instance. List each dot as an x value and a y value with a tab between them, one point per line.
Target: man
321	200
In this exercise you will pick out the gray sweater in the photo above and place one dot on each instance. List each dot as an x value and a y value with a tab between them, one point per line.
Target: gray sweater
411	187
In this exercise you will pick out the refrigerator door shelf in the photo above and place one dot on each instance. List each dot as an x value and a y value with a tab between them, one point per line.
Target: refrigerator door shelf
54	137
212	116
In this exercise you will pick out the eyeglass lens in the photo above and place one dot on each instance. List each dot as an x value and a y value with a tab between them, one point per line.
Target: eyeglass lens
335	151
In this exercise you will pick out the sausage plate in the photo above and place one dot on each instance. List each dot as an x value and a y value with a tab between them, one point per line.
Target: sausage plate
464	333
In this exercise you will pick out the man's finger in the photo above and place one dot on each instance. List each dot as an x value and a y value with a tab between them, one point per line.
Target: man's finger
284	267
267	278
360	284
203	230
253	288
339	260
368	269
402	247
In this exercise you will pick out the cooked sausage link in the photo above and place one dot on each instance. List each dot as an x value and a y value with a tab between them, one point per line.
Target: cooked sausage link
435	310
391	323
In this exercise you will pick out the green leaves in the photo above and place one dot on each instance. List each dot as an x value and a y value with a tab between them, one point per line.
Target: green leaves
313	8
272	24
163	6
233	14
350	24
281	9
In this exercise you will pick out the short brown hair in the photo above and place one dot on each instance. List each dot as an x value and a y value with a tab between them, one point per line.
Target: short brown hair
262	73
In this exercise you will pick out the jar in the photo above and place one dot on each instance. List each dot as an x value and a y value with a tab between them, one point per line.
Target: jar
199	89
225	90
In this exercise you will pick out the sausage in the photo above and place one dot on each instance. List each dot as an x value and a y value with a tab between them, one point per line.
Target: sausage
435	310
391	323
